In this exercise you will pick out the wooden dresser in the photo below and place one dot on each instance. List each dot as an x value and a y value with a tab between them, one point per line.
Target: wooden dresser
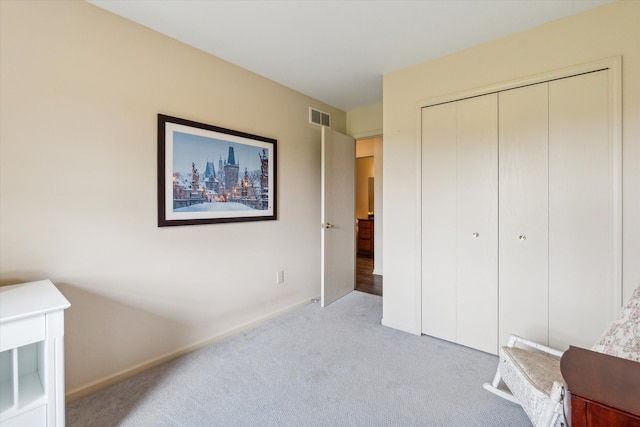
604	390
365	237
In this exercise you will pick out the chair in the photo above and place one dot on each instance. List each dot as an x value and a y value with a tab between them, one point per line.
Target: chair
532	376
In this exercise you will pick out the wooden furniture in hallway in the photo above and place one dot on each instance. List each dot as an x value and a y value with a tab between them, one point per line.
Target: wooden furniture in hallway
365	237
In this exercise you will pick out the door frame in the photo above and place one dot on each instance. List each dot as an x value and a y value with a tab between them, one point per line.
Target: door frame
378	201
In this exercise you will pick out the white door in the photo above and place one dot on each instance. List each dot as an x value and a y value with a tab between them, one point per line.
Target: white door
556	210
439	294
477	223
524	208
460	217
338	216
581	230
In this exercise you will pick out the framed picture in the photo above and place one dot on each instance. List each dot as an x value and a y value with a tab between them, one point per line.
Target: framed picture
208	174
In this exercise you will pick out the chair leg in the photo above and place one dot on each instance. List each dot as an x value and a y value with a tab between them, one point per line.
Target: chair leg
494	388
554	409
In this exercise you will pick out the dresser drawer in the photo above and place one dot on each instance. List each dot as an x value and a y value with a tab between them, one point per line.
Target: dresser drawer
364	234
365	224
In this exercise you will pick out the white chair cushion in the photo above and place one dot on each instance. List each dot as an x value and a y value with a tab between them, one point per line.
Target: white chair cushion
540	369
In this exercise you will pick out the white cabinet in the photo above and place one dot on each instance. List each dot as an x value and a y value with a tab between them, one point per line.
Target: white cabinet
518	215
32	355
459	241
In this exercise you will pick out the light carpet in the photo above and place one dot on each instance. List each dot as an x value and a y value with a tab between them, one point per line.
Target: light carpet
332	366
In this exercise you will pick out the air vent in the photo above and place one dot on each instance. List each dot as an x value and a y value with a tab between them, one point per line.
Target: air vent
320	118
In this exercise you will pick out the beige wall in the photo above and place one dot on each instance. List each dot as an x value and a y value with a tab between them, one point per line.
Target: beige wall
364	147
81	89
365	122
609	30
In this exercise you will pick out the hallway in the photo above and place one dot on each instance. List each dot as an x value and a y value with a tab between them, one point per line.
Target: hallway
366	281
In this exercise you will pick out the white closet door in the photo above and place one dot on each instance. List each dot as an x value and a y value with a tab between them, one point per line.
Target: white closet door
477	223
523	241
580	211
439	221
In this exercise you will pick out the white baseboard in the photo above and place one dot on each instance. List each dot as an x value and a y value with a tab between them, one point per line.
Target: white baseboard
104	382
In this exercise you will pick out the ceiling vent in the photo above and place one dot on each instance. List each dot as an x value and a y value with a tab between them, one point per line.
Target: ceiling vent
320	118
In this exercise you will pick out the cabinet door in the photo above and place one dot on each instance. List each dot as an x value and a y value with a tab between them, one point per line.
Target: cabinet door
477	223
581	229
523	201
439	221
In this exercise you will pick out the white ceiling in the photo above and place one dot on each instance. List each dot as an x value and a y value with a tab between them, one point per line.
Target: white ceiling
337	50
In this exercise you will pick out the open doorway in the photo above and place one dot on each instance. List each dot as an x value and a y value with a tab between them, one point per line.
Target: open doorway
368	186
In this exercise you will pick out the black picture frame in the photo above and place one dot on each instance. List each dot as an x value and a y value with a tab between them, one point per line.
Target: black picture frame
237	181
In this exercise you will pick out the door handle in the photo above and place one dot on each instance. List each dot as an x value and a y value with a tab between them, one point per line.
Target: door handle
327	225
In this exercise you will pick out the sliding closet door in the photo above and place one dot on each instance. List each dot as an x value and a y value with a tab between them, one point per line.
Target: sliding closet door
580	210
477	223
523	241
439	221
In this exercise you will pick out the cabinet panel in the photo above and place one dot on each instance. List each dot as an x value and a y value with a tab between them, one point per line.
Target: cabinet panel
524	204
477	223
439	221
580	210
34	417
22	332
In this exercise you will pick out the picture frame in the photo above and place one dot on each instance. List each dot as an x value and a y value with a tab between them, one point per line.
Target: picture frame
208	174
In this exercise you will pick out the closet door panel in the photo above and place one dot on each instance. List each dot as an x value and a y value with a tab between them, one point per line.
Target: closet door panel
439	221
477	223
580	211
523	212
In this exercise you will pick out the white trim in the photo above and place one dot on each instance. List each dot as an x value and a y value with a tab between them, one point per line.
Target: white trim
418	242
368	134
615	108
104	382
614	65
323	162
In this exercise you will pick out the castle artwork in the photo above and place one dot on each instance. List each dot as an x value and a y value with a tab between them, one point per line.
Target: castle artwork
214	176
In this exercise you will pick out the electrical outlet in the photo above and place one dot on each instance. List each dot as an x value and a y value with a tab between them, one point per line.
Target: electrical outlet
279	277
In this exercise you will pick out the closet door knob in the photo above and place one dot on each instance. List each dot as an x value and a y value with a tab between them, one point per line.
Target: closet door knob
476	234
522	237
